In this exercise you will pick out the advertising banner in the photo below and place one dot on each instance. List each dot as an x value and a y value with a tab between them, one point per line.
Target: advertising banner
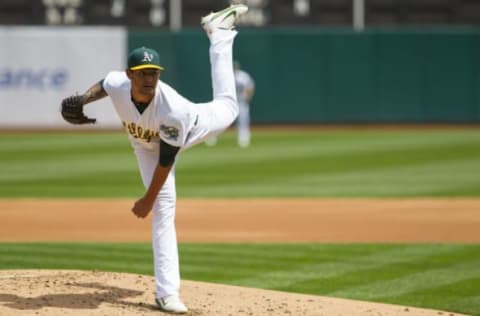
39	66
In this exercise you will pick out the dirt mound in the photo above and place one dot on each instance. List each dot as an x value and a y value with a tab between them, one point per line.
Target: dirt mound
65	292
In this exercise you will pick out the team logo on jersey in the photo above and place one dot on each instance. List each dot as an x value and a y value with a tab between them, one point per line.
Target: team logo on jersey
169	131
147	57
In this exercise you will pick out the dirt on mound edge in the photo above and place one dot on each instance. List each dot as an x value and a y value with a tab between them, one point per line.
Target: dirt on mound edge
70	292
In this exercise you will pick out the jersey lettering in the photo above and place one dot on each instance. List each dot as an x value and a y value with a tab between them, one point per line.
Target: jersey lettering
139	132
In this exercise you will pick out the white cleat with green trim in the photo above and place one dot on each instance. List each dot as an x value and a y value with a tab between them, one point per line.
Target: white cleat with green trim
224	19
171	304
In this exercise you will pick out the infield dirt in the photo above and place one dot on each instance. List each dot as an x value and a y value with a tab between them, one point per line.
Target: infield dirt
48	292
253	220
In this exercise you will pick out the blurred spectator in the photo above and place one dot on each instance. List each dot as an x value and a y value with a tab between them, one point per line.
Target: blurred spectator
118	8
63	11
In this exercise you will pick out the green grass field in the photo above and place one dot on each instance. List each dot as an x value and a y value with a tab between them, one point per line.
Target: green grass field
289	163
281	163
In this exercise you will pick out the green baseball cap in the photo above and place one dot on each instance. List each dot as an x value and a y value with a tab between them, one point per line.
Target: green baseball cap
143	57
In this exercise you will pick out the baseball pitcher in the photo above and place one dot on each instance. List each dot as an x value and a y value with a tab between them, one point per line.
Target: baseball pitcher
160	123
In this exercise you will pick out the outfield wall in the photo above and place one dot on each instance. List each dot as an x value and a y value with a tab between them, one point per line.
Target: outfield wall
39	66
302	75
338	76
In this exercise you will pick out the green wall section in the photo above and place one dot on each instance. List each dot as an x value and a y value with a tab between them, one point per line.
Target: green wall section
338	76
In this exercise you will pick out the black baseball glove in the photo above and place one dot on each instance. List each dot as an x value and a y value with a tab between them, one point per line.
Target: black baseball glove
72	111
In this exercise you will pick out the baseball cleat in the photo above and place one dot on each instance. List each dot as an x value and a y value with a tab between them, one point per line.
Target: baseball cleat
224	19
171	304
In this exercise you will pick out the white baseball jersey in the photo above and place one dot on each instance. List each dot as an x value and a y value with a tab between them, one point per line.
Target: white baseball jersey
169	116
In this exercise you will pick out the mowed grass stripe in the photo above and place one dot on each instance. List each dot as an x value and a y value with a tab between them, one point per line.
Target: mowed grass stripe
327	272
334	164
110	257
432	179
77	252
280	145
286	163
386	272
19	147
87	264
67	165
469	305
458	296
453	178
13	142
71	166
430	279
330	174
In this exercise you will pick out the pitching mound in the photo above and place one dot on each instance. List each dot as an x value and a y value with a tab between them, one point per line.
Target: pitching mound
65	292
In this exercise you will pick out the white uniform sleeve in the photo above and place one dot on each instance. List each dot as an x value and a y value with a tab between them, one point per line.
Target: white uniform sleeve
174	128
113	79
178	118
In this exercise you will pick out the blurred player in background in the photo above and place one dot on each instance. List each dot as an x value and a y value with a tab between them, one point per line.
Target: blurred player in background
160	123
245	87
